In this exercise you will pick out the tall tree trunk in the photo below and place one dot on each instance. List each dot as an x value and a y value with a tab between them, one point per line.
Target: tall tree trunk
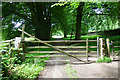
41	20
119	15
65	34
78	21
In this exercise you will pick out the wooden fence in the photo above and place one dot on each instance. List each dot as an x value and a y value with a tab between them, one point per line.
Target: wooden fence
8	46
114	46
99	53
100	46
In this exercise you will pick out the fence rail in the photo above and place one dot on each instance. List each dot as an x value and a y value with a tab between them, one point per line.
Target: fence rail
116	42
60	56
62	41
7	41
62	47
56	51
116	46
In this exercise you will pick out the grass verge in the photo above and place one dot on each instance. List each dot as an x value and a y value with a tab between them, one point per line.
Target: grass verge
104	60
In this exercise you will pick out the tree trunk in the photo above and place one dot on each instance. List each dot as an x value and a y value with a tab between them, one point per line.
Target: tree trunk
41	20
71	33
119	15
65	34
78	21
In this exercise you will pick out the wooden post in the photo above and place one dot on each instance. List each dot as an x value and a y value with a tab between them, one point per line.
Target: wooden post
23	44
98	48
23	28
112	49
108	47
87	49
17	42
102	49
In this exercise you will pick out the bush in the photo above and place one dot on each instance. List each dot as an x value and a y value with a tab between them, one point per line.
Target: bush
91	37
104	60
27	70
14	69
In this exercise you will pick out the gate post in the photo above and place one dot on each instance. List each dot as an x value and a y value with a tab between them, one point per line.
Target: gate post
87	49
112	49
108	47
98	48
23	43
102	48
17	42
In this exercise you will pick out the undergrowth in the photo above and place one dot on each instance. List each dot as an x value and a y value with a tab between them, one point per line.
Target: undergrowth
104	60
27	70
15	69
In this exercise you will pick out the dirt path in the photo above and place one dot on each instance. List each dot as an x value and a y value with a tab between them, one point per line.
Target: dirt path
55	69
97	70
93	70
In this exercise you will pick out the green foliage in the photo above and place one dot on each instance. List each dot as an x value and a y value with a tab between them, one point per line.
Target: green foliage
5	67
90	37
119	53
8	63
15	68
104	60
27	70
8	32
22	71
114	38
94	37
63	17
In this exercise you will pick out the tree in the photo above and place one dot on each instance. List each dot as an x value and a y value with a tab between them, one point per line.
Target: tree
39	17
78	20
36	14
59	18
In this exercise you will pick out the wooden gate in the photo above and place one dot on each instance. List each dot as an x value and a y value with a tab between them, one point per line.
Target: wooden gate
78	51
86	52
